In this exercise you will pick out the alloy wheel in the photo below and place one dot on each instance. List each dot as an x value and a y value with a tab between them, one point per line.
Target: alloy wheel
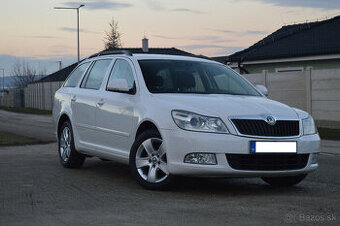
151	162
65	144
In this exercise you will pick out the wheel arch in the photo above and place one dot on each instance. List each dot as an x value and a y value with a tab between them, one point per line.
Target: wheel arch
63	118
146	125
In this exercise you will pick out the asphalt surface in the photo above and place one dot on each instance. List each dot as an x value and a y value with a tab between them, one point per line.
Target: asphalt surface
36	126
36	190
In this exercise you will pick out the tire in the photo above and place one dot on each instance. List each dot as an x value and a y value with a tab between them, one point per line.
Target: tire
284	181
68	155
148	162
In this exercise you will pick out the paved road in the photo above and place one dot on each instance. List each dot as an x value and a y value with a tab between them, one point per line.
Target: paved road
36	190
30	125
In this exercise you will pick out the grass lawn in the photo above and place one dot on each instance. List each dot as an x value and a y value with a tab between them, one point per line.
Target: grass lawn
26	110
9	139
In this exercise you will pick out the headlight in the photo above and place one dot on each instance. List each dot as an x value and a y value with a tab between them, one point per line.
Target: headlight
308	126
195	122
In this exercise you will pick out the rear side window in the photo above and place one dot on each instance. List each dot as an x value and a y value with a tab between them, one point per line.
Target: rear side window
95	77
76	75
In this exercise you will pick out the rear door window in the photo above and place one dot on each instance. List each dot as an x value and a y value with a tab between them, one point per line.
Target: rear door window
76	75
95	76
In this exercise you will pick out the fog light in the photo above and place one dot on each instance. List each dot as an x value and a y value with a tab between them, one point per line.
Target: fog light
315	157
201	158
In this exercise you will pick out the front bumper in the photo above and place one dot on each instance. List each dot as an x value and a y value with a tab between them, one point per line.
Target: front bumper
179	143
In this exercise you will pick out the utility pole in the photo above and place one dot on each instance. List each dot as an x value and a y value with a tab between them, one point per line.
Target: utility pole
60	64
3	79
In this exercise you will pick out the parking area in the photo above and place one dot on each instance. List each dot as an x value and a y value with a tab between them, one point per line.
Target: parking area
36	190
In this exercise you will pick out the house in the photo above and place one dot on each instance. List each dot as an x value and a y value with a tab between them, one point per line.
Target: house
62	74
292	48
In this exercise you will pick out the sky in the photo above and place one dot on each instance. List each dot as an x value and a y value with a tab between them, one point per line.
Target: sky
32	31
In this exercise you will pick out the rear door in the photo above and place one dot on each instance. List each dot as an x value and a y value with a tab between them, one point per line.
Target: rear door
70	90
85	101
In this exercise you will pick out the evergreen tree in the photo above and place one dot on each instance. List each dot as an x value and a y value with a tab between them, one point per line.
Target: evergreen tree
112	37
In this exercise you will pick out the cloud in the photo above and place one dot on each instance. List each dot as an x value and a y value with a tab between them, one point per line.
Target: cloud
99	5
255	32
202	46
223	30
247	32
229	50
158	6
165	37
214	39
71	29
185	10
320	4
155	5
43	37
39	37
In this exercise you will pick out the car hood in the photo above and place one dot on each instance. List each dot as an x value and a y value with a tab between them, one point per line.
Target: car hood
223	105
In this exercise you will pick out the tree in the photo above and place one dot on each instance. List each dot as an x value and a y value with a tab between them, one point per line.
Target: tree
112	37
24	74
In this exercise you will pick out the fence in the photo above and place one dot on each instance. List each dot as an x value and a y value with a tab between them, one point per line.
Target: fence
315	91
14	98
41	95
36	95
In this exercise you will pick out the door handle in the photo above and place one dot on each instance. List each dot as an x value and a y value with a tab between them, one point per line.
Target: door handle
74	98
101	102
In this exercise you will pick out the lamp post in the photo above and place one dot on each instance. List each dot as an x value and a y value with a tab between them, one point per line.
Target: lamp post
3	79
76	8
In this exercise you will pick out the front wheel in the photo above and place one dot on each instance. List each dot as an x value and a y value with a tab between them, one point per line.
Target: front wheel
148	162
284	181
68	155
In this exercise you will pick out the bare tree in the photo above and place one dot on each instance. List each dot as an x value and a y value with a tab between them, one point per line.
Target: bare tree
24	74
112	37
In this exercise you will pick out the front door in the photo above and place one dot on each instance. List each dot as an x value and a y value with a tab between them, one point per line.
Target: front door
115	115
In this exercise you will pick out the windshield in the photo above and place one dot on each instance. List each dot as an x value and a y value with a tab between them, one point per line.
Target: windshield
177	76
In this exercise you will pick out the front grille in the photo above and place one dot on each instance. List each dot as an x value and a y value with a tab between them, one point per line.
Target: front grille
257	127
267	161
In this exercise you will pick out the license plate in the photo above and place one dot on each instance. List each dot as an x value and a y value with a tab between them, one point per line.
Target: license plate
272	147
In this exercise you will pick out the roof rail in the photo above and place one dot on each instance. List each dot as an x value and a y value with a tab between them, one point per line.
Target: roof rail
109	52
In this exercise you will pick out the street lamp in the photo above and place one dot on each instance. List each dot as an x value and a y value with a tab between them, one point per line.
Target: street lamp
3	79
76	8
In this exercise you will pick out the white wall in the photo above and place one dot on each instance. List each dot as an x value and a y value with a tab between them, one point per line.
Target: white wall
315	91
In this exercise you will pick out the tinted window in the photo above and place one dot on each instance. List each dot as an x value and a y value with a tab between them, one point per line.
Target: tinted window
94	78
174	76
122	70
76	75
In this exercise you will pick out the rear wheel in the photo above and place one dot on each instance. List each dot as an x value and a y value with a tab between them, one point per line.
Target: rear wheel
68	155
148	161
284	181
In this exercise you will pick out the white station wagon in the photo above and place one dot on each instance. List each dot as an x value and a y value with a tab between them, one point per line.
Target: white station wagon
174	115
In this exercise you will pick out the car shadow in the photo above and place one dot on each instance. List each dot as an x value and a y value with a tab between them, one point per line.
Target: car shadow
224	186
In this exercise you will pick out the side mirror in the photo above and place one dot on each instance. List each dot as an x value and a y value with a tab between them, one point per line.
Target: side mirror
118	85
262	89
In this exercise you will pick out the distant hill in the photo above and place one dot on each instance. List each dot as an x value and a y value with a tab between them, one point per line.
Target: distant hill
10	81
